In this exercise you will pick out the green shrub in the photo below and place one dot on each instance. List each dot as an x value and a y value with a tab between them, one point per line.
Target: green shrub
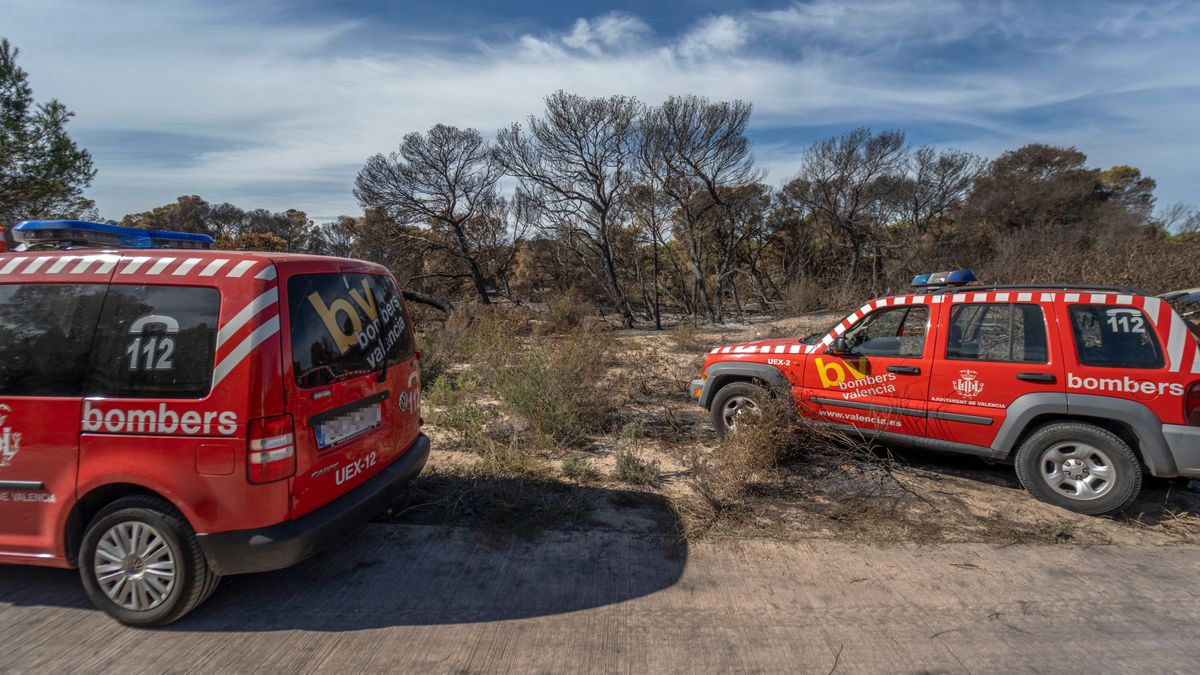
631	468
453	402
579	469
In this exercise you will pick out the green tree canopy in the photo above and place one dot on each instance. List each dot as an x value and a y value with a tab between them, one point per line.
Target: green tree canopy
42	171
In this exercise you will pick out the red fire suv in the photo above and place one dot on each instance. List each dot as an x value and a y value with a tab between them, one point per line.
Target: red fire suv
1081	388
170	414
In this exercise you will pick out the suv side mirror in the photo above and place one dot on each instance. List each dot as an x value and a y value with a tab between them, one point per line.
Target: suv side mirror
839	346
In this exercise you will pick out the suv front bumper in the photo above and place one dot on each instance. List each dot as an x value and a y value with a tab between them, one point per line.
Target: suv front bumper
285	544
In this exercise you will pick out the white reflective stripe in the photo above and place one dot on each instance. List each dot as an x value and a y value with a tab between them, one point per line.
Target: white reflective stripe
1152	306
243	349
160	265
1047	297
938	299
725	350
1002	297
1196	361
185	267
1099	298
960	297
981	297
826	340
1176	341
839	329
902	300
267	274
882	302
809	348
213	267
107	262
715	350
240	269
59	265
1024	297
779	349
12	265
865	308
1071	297
134	265
34	265
256	307
795	349
1124	299
919	300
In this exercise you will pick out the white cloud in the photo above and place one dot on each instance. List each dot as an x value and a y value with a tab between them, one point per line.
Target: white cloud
713	35
289	115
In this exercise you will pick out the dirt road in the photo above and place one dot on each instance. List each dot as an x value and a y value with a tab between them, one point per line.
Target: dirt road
431	599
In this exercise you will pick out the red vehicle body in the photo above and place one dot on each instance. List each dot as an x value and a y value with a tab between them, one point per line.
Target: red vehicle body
984	370
199	382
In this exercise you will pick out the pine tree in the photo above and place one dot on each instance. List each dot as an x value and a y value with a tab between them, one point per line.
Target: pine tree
42	171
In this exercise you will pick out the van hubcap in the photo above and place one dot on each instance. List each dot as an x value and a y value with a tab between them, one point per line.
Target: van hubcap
134	566
1078	471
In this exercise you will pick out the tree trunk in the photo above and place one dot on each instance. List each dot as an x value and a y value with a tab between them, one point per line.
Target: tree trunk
428	299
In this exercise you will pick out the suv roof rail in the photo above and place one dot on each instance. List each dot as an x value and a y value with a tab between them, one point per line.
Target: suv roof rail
1126	290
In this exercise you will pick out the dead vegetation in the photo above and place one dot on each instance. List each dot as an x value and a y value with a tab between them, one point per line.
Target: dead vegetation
542	424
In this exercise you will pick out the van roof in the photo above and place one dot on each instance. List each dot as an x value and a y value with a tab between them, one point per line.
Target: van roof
81	264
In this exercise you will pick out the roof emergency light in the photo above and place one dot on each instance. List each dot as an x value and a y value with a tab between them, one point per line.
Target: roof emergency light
84	234
960	277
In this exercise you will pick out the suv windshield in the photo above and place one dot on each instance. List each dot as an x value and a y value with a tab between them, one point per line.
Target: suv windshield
344	326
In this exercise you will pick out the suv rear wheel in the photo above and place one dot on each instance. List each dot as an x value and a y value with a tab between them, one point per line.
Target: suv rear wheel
733	402
1080	467
140	563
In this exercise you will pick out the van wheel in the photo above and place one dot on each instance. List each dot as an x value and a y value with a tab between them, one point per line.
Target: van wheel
140	563
1080	467
733	402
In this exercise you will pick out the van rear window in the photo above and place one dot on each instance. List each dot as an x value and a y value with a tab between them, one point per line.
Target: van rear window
344	326
155	342
45	336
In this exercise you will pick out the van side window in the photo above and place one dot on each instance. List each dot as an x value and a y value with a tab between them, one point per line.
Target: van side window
1114	337
344	326
45	335
892	331
155	342
1000	332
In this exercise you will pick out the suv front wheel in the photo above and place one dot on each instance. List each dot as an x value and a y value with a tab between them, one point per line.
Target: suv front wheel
735	401
1080	467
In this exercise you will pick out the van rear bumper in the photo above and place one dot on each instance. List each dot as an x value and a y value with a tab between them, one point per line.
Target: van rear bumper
285	544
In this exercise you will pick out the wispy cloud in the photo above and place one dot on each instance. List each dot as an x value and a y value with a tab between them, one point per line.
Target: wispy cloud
253	103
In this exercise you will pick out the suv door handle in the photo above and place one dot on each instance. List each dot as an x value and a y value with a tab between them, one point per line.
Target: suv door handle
904	370
1047	378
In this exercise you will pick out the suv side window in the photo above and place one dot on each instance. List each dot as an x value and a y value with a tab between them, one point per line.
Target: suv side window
1114	337
998	332
892	331
155	342
45	335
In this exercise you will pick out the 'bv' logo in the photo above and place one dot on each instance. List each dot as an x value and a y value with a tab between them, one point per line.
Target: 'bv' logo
834	374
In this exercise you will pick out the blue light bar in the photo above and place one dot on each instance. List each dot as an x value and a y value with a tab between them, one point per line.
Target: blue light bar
959	277
84	234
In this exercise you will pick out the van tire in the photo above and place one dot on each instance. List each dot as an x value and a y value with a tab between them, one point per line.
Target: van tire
1050	459
745	396
152	524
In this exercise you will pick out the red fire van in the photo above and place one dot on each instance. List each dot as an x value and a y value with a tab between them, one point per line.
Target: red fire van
170	414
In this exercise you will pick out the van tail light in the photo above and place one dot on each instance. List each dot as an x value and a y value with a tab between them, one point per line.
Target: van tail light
1191	405
271	449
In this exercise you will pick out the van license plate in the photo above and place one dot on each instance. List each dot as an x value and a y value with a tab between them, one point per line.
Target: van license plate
335	430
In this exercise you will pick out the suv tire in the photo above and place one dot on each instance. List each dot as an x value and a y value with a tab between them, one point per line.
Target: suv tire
140	563
733	400
1079	467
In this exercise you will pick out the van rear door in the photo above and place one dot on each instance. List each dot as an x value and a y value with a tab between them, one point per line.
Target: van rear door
352	378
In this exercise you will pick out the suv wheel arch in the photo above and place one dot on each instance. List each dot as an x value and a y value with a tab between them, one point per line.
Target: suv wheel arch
727	372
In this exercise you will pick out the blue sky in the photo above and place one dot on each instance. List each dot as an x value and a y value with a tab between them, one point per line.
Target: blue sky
277	104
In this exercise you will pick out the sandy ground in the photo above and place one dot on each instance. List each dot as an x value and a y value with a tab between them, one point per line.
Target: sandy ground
411	598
